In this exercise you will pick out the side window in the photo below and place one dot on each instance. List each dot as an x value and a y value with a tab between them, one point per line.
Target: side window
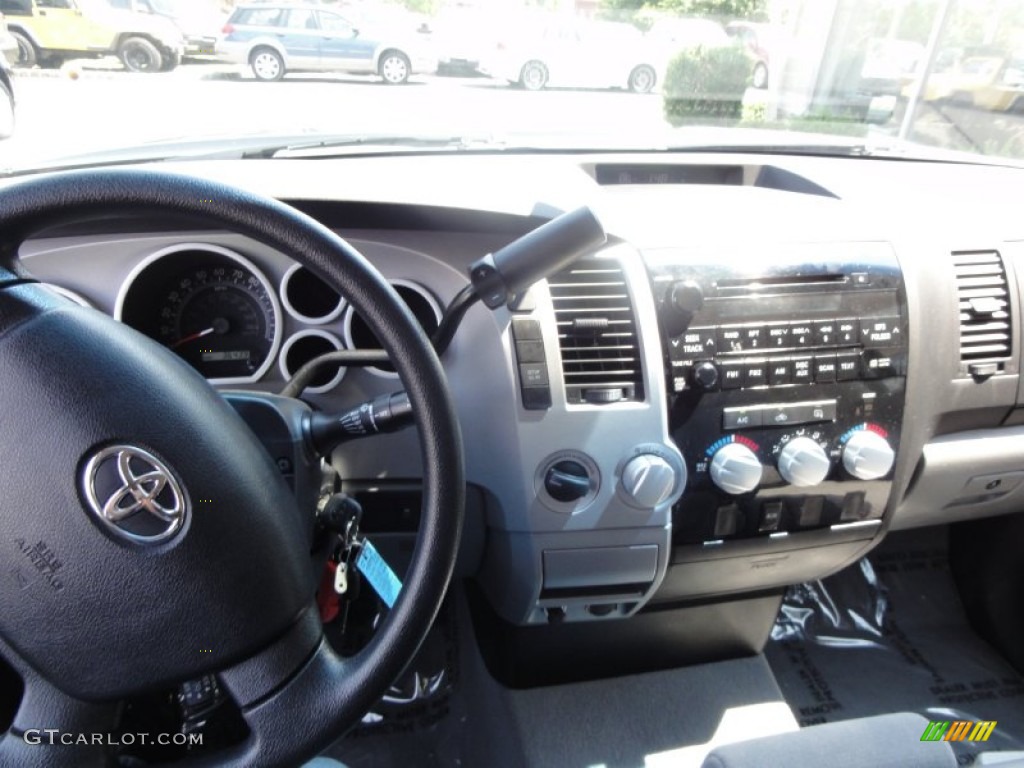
331	22
16	7
124	5
65	4
260	17
301	18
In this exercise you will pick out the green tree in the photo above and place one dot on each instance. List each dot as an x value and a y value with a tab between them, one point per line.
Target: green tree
732	9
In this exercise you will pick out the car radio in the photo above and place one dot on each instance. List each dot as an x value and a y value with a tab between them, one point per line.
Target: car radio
787	377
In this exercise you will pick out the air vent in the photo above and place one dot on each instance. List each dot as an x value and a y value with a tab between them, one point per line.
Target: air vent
597	333
985	329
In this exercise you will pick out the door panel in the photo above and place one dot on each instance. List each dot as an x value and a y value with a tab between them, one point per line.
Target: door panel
342	47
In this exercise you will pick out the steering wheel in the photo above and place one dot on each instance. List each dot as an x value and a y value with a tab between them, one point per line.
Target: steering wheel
98	421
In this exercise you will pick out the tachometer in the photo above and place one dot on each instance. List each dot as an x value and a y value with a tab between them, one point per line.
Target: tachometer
208	304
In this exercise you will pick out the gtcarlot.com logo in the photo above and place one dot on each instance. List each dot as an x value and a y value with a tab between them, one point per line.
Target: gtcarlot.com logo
55	736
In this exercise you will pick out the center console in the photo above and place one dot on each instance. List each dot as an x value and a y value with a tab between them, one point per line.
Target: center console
787	378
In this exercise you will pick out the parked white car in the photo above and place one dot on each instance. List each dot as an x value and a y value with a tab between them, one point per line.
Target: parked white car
574	53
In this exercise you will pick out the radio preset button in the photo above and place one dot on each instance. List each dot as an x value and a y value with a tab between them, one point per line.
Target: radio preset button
780	372
824	368
825	333
848	332
801	335
730	339
755	337
778	336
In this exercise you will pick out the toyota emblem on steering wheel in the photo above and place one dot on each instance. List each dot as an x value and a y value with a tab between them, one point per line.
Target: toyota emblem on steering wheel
134	494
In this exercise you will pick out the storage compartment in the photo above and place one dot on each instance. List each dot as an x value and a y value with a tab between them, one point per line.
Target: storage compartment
964	476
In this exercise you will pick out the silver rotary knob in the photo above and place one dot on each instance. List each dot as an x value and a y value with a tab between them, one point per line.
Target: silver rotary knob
802	462
867	455
648	480
735	469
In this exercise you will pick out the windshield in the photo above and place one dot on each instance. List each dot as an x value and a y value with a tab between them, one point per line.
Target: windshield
172	78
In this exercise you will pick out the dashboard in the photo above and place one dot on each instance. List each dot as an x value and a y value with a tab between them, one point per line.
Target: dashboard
774	361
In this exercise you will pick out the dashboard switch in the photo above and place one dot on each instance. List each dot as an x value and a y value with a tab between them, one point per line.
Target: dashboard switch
771	517
567	481
648	480
802	462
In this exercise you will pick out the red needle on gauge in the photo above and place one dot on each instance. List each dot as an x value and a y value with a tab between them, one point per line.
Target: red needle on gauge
192	337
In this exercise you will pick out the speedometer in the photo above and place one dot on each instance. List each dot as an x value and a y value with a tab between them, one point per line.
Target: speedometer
208	304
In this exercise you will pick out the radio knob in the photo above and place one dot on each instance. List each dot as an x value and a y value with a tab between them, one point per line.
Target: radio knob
686	297
648	480
802	462
735	469
705	375
867	455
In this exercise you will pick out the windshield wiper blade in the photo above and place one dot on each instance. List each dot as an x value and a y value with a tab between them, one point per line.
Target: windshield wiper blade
359	144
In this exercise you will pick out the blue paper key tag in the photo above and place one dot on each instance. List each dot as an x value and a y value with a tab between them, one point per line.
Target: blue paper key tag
376	571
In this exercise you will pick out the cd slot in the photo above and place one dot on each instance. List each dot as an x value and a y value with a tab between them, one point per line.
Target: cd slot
735	285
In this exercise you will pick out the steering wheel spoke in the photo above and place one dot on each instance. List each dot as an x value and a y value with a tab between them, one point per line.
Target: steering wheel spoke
53	729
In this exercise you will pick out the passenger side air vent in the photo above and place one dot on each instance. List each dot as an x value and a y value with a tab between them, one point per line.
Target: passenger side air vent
986	332
597	333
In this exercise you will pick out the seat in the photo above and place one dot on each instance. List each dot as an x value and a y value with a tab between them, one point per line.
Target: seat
887	741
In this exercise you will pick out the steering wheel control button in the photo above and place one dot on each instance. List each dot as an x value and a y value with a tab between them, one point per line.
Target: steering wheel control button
134	495
803	463
567	481
867	455
648	480
736	469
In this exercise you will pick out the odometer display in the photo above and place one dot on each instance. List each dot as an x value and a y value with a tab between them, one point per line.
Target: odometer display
211	306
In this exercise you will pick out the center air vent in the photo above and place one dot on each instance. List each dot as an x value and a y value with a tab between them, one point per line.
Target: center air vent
597	333
985	329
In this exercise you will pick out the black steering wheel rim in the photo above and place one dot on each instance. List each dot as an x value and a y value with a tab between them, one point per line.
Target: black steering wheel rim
315	695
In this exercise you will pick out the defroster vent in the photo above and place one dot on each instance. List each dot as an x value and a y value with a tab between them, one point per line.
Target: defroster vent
983	293
597	333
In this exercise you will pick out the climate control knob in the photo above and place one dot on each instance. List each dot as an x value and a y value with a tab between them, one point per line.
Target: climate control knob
867	455
802	462
735	469
648	480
